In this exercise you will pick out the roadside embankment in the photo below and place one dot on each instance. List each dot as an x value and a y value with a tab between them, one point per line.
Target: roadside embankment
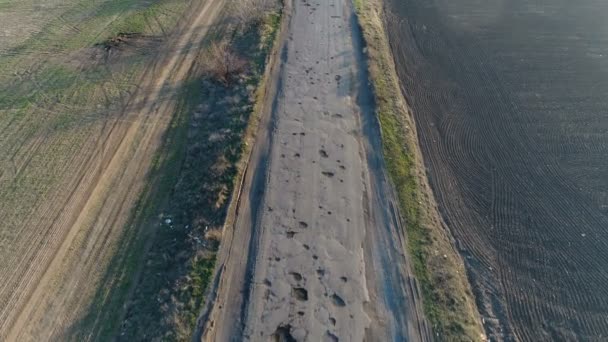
447	296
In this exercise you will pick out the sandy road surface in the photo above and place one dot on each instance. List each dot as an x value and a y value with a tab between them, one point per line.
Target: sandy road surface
317	248
47	295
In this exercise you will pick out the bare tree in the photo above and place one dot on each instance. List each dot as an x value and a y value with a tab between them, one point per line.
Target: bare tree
251	12
223	63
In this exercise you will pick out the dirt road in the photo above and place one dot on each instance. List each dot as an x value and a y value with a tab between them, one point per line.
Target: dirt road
46	295
317	249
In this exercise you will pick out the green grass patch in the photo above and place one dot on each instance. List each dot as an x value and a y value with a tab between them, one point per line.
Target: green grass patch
201	273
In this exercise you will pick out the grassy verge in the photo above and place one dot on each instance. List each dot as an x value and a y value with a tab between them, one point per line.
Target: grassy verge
155	287
447	298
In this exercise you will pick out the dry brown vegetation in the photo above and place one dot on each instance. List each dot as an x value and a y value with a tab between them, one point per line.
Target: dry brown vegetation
223	63
252	12
214	235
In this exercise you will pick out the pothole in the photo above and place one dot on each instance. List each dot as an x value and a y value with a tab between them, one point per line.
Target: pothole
297	276
283	334
300	294
337	300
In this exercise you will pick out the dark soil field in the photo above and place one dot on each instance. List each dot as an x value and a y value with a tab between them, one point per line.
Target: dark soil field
510	101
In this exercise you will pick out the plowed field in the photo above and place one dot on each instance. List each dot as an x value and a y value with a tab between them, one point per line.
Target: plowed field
510	100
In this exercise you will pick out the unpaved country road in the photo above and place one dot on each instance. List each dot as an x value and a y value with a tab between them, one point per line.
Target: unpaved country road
48	295
317	249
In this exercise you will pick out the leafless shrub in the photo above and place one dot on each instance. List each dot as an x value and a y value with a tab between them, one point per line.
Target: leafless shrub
251	12
223	63
214	235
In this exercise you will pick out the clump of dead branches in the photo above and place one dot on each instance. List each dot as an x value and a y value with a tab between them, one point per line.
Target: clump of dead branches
252	12
223	63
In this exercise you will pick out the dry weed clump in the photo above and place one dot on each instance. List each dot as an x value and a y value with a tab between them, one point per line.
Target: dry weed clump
252	12
214	235
223	63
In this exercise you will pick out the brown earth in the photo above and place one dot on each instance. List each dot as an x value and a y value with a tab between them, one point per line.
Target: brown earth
64	251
